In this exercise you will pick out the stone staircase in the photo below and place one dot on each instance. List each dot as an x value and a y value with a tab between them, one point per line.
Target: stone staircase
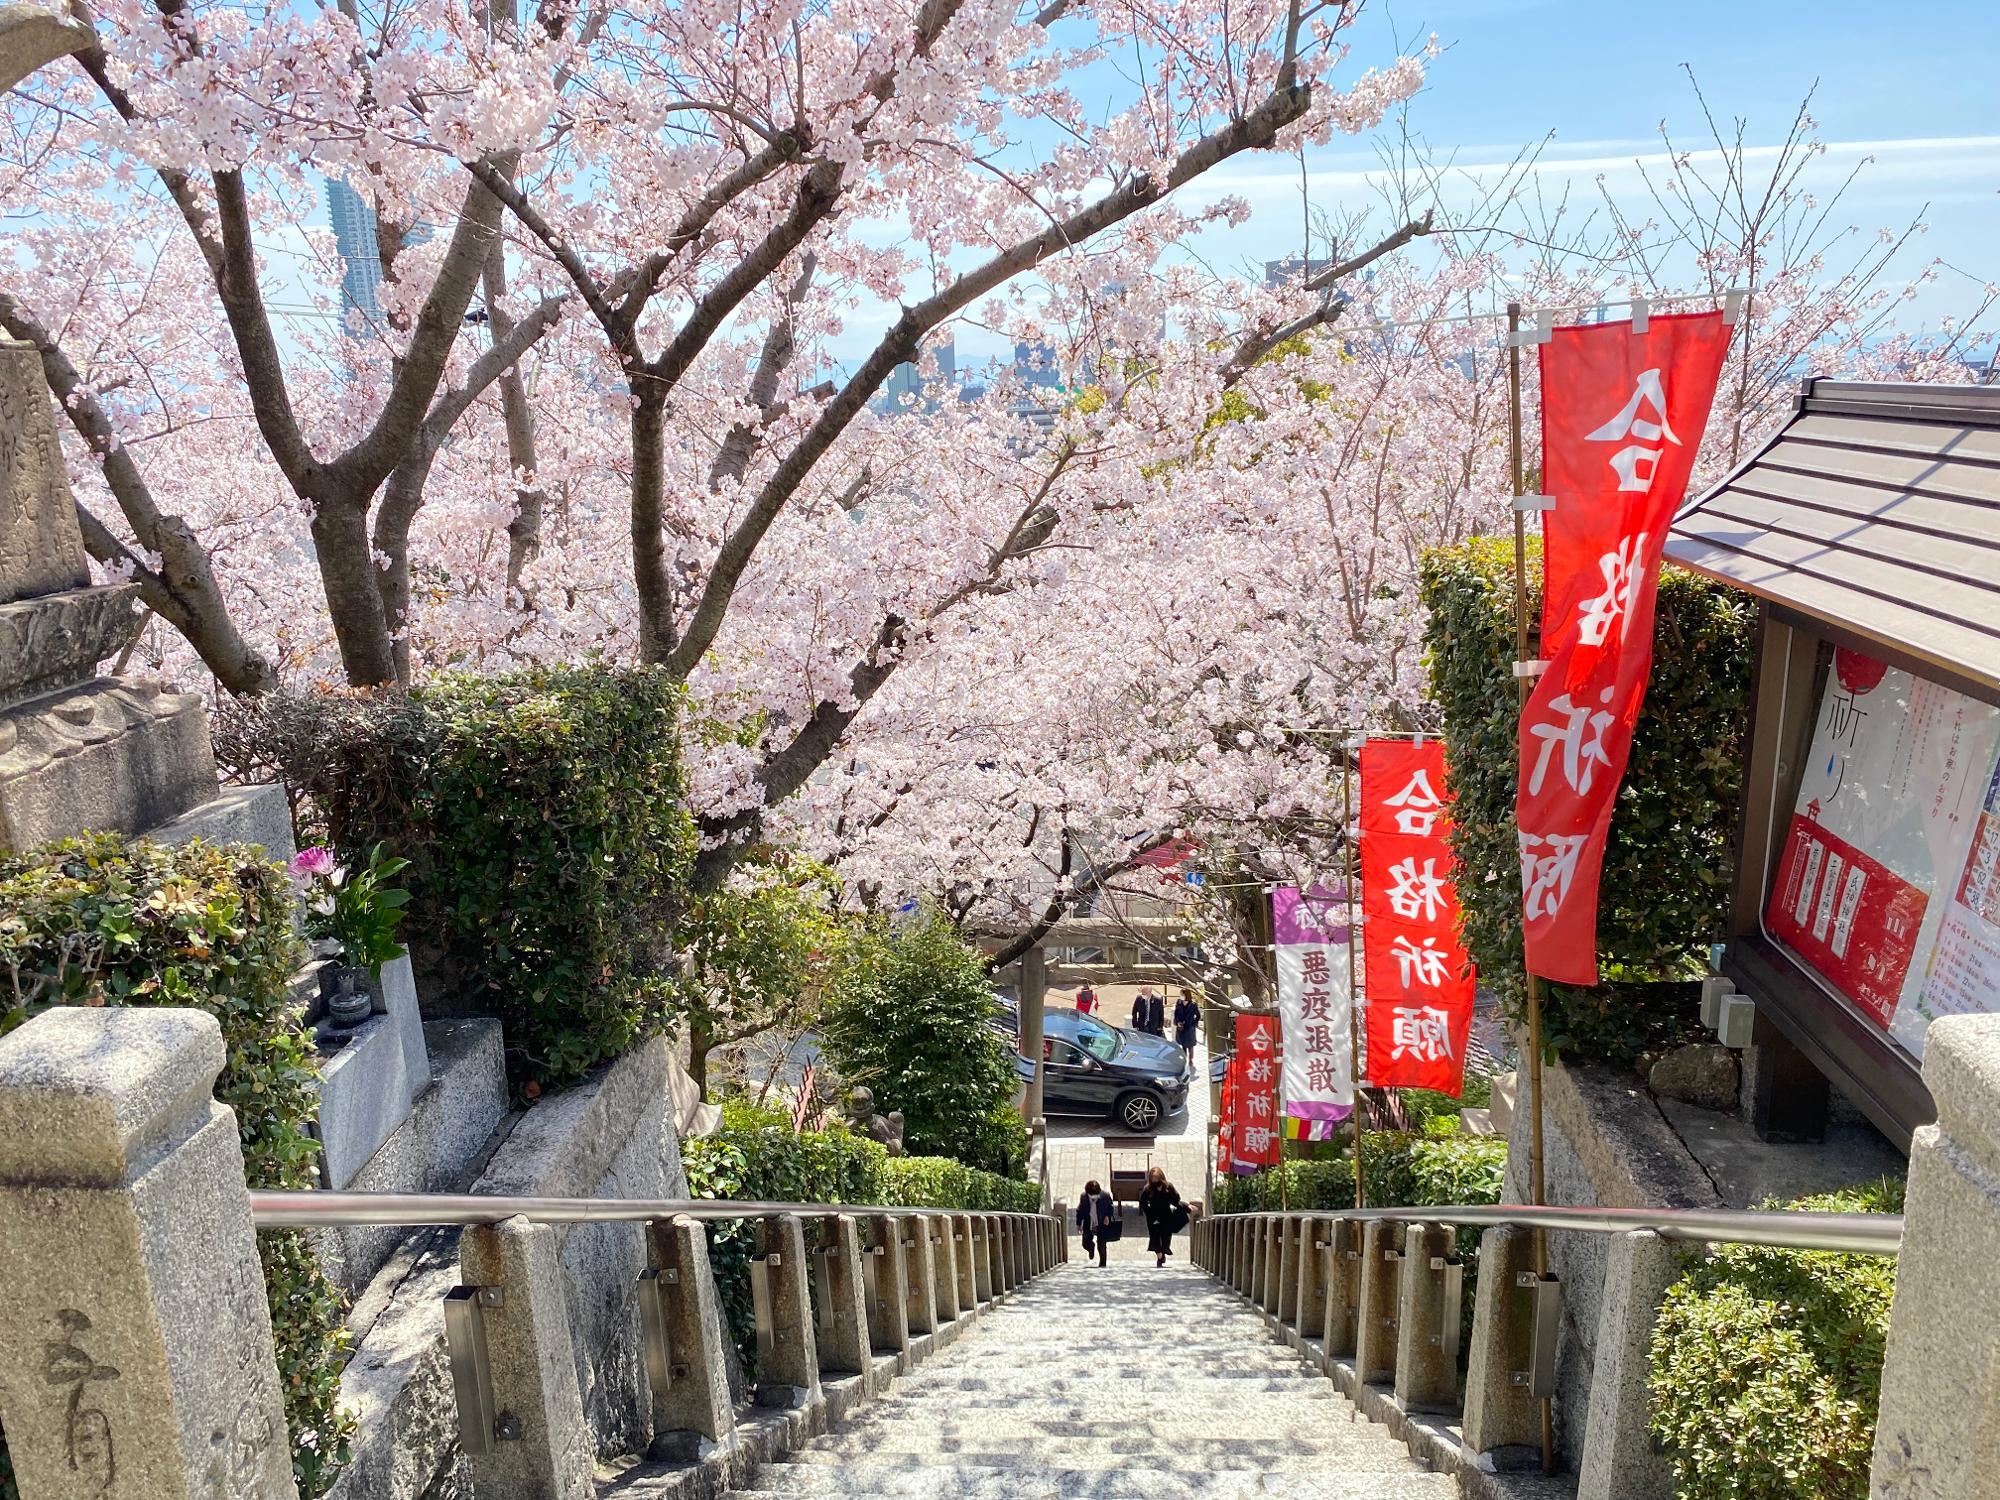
1118	1383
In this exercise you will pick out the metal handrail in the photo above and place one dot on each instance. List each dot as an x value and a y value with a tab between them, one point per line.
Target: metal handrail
1861	1234
321	1210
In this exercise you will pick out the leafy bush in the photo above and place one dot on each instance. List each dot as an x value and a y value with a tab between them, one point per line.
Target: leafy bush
542	815
1767	1366
1404	1169
101	921
906	1015
1668	865
757	1157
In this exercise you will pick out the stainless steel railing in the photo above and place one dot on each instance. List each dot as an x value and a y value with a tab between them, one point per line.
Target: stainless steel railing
1860	1234
321	1210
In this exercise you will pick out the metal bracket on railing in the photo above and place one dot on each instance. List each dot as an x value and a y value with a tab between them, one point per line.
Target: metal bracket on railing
479	1420
655	1326
1545	1293
760	1304
1451	1317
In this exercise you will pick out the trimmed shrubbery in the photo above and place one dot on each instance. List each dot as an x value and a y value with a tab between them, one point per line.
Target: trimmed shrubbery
99	920
1668	867
1404	1169
907	1014
1767	1366
758	1157
542	814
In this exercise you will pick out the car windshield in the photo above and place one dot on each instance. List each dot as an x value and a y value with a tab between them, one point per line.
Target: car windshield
1099	1040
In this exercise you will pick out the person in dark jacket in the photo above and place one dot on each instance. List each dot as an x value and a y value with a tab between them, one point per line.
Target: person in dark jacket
1149	1014
1096	1210
1187	1020
1160	1202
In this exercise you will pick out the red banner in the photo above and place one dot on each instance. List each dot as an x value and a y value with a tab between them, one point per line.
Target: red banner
1419	978
1254	1093
1622	417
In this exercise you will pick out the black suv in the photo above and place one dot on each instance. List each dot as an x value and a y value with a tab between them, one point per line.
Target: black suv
1090	1068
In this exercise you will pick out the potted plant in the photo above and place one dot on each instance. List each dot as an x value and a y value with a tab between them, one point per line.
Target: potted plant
351	917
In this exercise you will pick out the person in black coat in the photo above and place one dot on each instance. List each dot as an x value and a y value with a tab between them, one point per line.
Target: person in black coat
1096	1211
1187	1020
1160	1202
1149	1014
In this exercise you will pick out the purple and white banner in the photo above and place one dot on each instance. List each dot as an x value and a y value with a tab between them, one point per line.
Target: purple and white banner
1313	1003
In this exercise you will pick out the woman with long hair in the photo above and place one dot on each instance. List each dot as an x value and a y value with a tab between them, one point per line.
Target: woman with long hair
1160	1202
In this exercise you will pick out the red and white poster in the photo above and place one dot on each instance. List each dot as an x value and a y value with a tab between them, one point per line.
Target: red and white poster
1884	889
1419	978
1254	1095
1309	931
1623	415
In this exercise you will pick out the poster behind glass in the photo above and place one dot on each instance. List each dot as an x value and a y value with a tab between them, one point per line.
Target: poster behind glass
1888	890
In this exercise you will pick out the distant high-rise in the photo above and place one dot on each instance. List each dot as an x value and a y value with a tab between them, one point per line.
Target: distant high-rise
1292	270
906	386
360	255
1035	366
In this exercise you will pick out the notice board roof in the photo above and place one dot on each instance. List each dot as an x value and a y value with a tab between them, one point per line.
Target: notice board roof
1877	507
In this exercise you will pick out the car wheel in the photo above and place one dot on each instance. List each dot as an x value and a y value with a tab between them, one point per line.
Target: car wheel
1139	1112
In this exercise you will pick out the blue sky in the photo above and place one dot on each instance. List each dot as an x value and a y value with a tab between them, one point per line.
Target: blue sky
1911	84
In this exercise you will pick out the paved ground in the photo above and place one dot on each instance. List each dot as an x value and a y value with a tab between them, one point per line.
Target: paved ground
1078	1149
1052	1396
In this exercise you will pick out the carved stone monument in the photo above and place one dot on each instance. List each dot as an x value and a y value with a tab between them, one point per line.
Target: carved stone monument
77	750
135	1340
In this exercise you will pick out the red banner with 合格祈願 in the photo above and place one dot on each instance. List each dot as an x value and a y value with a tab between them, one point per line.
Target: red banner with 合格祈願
1419	979
1254	1093
1622	417
1623	414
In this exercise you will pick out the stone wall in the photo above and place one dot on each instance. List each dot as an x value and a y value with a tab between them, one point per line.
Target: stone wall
1606	1145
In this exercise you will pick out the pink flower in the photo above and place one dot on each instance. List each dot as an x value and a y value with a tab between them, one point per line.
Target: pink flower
312	862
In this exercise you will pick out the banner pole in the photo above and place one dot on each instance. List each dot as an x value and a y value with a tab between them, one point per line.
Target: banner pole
1353	978
1536	1181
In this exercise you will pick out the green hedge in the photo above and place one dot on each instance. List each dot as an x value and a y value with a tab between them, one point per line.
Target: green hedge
542	813
757	1157
102	921
907	1014
1767	1366
1404	1169
1668	866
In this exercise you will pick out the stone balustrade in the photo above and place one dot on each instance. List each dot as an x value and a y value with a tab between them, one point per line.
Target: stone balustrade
1378	1304
135	1342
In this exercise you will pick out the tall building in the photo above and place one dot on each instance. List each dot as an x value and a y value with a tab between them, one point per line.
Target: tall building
360	256
906	386
1293	269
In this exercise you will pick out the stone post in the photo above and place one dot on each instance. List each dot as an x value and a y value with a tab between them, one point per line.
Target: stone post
1274	1262
964	1254
1619	1460
944	1268
135	1333
691	1409
1429	1319
787	1358
1309	1297
888	1288
844	1350
1499	1411
1287	1300
1341	1319
31	35
1937	1436
544	1447
1375	1331
980	1238
917	1266
1253	1286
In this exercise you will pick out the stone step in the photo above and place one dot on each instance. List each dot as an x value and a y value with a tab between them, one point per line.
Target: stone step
1107	1481
1289	1456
